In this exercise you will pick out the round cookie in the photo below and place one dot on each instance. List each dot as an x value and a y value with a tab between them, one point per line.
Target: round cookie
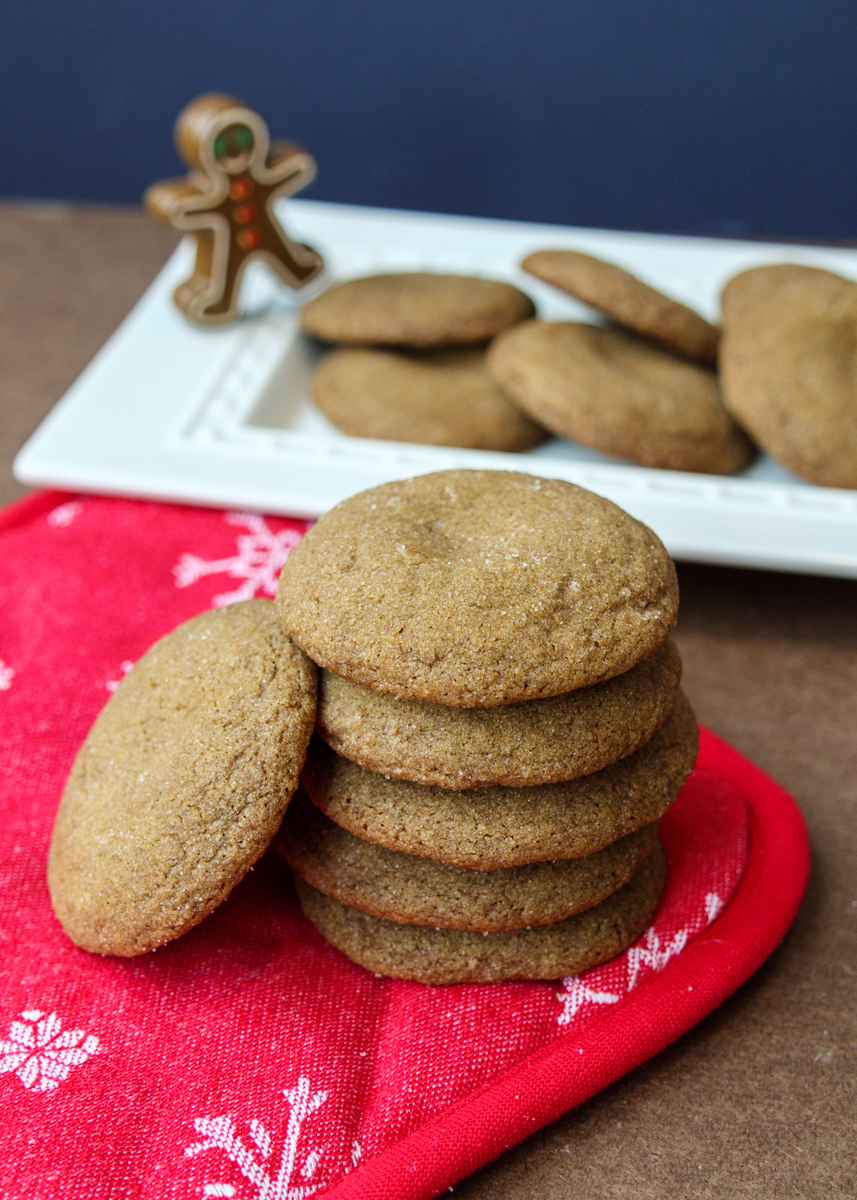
627	300
619	394
478	588
182	780
427	955
435	397
417	309
515	745
488	829
416	891
789	367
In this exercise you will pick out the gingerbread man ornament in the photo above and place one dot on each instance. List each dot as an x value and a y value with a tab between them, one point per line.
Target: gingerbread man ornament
237	173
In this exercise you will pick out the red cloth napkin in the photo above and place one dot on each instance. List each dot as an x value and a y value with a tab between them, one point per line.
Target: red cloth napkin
250	1059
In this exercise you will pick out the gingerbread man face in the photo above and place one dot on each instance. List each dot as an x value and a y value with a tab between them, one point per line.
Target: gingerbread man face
233	148
227	202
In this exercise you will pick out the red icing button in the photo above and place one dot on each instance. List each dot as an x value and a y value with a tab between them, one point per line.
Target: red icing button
248	239
240	189
244	213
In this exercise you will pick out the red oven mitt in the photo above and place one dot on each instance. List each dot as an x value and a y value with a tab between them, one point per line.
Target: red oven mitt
249	1058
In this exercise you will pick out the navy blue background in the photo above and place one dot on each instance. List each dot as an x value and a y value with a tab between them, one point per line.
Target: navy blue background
710	116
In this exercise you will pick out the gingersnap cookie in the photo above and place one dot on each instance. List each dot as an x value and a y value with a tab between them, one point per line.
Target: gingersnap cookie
489	829
478	588
617	393
418	309
427	955
788	364
627	300
436	397
182	780
515	745
416	891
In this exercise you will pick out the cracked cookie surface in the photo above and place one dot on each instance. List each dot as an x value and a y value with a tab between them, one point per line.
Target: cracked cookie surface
478	588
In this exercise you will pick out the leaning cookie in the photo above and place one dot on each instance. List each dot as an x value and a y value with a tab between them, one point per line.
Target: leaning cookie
619	394
787	366
627	300
436	397
478	588
488	829
416	309
182	781
514	745
436	956
417	891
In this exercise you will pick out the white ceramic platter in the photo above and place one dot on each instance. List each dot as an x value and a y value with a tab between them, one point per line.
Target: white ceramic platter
222	416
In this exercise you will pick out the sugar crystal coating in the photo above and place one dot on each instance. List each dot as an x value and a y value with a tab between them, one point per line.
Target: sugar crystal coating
478	588
182	780
489	828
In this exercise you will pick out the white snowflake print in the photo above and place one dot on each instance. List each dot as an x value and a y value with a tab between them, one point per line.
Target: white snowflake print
270	1181
65	513
258	560
7	674
652	953
656	953
41	1053
576	995
124	667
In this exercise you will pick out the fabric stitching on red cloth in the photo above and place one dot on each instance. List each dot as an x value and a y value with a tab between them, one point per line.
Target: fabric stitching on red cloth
249	1058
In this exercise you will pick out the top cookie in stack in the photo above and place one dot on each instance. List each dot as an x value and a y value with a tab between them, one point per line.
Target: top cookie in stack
478	588
493	645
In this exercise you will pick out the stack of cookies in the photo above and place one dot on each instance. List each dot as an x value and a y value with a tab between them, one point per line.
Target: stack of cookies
410	366
500	727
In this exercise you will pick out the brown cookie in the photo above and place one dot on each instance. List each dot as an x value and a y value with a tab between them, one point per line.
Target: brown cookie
627	300
182	781
789	367
478	588
418	309
435	397
428	955
416	891
514	745
616	393
488	829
